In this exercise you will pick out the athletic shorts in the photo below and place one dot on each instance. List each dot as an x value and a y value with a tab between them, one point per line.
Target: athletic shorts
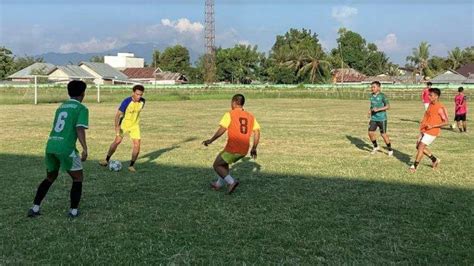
426	139
382	125
133	132
65	162
231	158
461	117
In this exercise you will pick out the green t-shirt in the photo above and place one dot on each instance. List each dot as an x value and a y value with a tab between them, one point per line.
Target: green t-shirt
378	101
63	136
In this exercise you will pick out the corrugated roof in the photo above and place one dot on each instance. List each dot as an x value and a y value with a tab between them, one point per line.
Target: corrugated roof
166	75
74	71
105	71
140	72
470	79
466	69
347	75
448	77
27	71
380	78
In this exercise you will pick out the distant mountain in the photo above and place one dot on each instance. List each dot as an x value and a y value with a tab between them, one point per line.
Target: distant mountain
143	50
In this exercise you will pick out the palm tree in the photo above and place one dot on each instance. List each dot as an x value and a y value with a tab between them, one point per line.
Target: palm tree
303	60
420	58
455	57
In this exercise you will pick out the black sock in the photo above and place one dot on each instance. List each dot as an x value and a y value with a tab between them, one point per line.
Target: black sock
416	164
108	158
42	190
389	146
76	191
132	163
460	129
433	158
375	143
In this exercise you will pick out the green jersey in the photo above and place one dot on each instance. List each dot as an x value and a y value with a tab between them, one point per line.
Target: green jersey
63	136
378	101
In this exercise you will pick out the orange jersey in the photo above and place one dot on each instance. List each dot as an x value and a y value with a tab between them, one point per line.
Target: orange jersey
432	117
240	124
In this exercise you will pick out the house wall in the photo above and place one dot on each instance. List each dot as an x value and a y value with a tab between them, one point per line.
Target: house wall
58	74
97	78
124	61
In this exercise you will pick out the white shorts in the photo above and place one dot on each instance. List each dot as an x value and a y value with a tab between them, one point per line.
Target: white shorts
426	105
427	139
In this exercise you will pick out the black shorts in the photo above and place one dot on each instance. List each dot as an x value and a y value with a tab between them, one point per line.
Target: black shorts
460	117
382	125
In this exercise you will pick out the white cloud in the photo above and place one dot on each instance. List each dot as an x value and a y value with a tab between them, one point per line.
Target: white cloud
244	42
183	25
343	14
92	45
389	43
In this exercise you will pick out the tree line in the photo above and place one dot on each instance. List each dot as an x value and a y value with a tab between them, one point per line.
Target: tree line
296	57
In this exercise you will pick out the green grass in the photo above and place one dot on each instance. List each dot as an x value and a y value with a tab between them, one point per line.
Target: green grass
314	195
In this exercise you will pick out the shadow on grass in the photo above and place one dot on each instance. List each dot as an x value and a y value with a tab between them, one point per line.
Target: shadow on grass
409	120
359	143
152	156
271	218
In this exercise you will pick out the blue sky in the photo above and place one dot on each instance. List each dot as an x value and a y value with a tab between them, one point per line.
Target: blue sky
33	27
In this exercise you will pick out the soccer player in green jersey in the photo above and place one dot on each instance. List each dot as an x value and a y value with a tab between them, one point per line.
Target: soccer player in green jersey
379	105
70	122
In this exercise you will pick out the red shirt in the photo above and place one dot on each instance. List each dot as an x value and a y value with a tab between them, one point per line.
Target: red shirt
461	105
425	95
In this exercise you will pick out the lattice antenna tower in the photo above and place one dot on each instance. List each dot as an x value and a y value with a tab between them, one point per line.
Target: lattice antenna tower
210	36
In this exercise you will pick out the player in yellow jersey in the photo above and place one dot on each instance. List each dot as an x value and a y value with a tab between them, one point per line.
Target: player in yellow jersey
127	121
240	126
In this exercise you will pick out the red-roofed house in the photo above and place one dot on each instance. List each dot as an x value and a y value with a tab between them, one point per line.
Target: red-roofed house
347	75
141	74
466	69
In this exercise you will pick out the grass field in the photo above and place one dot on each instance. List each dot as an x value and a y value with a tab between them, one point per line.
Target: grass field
314	195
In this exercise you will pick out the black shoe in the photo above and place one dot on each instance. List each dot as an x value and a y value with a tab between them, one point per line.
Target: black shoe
72	215
33	214
233	187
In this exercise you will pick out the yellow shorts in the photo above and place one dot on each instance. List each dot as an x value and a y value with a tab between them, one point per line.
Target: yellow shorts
231	158
133	132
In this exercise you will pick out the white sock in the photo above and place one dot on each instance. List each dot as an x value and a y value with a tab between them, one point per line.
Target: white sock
220	182
229	180
73	211
36	208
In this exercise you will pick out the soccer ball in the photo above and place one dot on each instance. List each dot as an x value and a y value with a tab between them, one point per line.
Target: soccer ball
115	166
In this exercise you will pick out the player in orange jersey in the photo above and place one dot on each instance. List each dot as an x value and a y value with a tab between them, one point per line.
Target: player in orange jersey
239	125
430	127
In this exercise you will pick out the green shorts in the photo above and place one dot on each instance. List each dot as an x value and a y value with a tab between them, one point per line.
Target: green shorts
231	158
66	162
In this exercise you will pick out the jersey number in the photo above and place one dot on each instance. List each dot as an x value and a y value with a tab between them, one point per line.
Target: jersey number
243	125
61	122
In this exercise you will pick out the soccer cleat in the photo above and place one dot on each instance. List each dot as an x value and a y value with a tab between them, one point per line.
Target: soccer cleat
32	213
215	186
233	187
412	169
375	150
435	164
72	215
390	153
132	169
103	163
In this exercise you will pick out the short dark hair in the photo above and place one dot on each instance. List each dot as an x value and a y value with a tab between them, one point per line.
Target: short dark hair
76	88
436	91
239	99
460	89
376	83
429	83
138	87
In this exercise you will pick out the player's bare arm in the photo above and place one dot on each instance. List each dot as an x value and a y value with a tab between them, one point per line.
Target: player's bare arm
256	139
118	115
218	133
81	136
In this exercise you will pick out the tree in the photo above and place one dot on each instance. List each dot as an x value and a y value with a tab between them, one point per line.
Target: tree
455	58
6	62
301	53
97	59
155	62
240	64
468	55
420	57
438	65
175	59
